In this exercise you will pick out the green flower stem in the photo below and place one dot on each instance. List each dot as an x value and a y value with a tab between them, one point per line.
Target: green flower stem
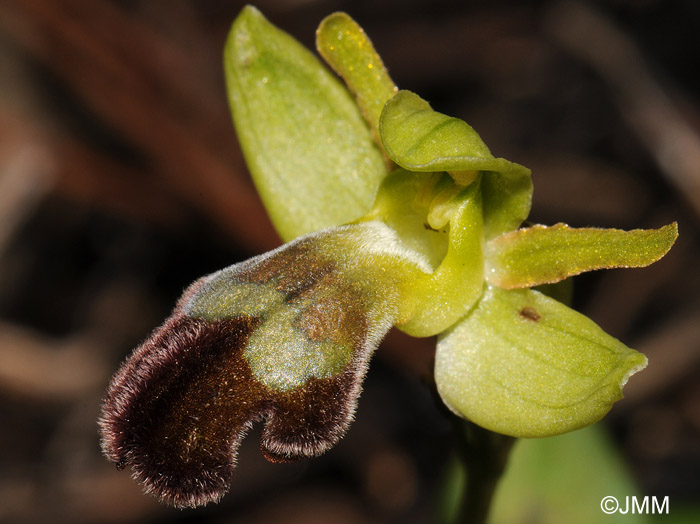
483	456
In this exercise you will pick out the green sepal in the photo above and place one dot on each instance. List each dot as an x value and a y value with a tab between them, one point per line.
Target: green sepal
525	365
306	144
440	222
420	139
507	201
540	254
346	48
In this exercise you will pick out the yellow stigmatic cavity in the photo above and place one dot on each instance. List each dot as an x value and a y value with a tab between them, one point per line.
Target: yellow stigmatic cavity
442	223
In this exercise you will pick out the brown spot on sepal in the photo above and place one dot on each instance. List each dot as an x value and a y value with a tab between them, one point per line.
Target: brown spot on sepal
179	407
530	313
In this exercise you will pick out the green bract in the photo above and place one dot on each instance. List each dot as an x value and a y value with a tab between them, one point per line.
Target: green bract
508	358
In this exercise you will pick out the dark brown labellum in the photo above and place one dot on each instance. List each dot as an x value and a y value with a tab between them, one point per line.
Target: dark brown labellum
179	407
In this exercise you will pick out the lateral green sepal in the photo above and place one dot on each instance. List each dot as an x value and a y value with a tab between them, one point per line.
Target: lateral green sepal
306	144
525	365
541	254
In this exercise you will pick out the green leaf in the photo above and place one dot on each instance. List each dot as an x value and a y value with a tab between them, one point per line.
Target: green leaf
311	154
420	139
564	479
348	50
525	365
541	254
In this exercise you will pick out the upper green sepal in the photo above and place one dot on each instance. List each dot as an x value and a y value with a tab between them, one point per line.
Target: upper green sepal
306	144
525	365
420	139
540	254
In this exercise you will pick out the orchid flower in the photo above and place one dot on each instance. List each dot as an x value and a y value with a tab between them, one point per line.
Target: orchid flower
394	215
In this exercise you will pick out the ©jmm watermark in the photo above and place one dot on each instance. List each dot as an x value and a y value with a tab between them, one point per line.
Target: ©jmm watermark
635	505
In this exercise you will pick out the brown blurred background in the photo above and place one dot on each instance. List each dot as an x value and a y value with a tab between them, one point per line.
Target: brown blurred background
121	181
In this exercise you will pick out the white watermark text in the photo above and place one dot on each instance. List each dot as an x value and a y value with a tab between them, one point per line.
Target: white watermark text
635	505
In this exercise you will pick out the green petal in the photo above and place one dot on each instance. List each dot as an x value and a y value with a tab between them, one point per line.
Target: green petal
541	254
346	48
525	365
311	154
